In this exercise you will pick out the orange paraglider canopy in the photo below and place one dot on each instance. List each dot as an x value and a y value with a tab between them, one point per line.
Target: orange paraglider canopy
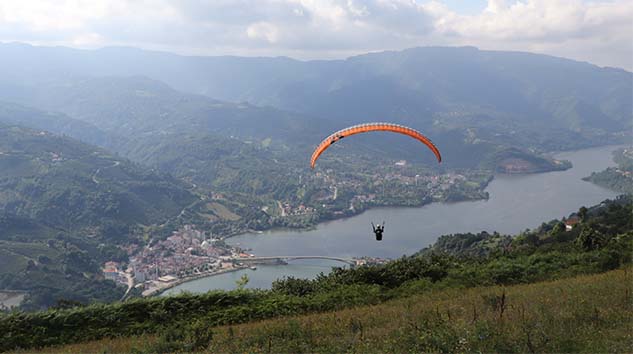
370	127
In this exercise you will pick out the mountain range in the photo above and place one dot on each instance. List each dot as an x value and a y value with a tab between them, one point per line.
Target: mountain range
418	85
98	146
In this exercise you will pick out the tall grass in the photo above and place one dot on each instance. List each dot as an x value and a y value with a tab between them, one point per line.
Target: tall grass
583	314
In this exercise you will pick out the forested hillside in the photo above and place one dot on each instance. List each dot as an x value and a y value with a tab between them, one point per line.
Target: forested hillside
140	106
54	122
619	178
133	115
66	183
64	208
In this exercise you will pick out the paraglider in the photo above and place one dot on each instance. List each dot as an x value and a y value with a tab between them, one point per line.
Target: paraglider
369	127
378	230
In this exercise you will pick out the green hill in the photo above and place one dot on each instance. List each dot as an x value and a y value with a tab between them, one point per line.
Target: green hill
618	178
255	156
151	123
135	106
64	208
65	183
54	122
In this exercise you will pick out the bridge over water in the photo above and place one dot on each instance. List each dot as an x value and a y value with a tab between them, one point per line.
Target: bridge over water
289	258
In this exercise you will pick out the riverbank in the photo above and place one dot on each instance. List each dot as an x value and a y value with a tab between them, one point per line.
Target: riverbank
162	286
562	165
477	195
555	164
11	298
515	202
619	178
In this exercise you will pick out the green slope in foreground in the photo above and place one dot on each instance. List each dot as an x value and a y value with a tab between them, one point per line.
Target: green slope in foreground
439	294
582	314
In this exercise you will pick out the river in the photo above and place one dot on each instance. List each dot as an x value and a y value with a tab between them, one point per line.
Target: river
516	202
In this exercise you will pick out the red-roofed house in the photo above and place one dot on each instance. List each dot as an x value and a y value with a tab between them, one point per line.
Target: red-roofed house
571	222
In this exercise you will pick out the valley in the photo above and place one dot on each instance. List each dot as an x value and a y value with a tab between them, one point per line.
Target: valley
340	176
101	162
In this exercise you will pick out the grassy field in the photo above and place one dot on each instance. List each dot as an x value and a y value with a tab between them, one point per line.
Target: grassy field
10	262
14	256
583	314
222	212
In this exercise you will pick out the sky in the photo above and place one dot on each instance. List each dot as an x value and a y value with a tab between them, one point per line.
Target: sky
599	32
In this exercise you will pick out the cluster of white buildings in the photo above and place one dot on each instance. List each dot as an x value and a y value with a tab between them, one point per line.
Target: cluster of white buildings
370	260
187	251
288	209
113	271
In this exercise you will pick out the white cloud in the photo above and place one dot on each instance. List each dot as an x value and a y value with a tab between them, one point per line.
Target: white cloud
263	30
541	20
50	16
88	40
600	32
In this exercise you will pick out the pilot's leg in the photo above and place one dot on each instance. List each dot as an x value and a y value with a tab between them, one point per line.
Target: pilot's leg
378	237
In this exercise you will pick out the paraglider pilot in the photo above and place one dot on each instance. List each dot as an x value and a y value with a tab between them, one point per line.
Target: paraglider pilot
378	229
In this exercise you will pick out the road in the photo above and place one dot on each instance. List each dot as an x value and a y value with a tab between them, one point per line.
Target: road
94	176
270	258
281	207
130	285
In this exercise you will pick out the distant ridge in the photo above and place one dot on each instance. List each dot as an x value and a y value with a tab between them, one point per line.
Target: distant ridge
420	85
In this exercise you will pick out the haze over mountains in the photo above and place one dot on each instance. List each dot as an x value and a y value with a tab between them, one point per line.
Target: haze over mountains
167	111
141	106
452	94
415	85
160	132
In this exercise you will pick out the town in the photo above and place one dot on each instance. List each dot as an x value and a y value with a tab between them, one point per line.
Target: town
190	253
336	195
186	255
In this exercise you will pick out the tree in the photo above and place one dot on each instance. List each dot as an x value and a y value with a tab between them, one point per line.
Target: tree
590	239
582	213
294	286
242	281
558	232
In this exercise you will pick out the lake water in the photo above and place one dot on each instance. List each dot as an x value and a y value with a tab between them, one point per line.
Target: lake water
516	202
